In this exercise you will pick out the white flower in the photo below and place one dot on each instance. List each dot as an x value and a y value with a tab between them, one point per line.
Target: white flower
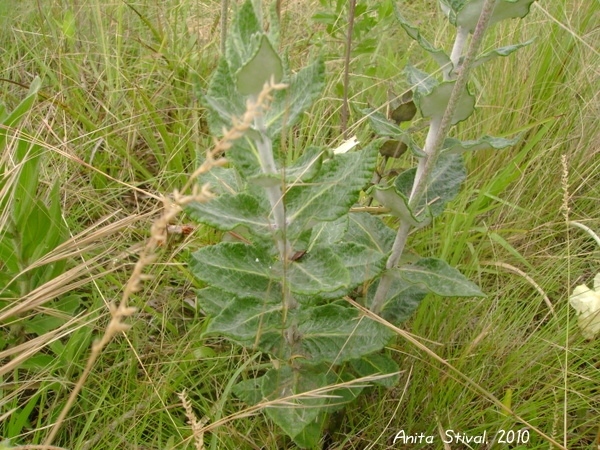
587	304
348	144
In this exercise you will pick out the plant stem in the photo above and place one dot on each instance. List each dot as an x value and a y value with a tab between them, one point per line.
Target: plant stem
433	147
274	193
224	8
265	152
345	112
459	43
433	150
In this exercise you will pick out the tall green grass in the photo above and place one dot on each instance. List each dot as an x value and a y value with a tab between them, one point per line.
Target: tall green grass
117	95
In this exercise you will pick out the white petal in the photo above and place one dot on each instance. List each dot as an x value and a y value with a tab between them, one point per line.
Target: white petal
346	145
589	324
584	299
597	282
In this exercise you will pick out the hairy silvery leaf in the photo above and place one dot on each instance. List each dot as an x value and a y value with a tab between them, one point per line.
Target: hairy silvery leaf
274	25
243	37
443	185
221	180
252	323
343	395
432	96
372	232
307	166
362	263
325	234
249	391
212	300
466	13
289	104
238	268
264	66
397	201
423	83
223	100
402	300
381	125
377	365
298	413
245	156
227	212
438	277
266	180
384	127
502	51
265	388
435	103
335	334
437	54
452	145
331	192
320	270
310	436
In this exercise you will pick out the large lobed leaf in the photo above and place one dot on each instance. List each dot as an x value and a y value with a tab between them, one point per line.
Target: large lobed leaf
335	333
223	100
252	323
437	54
237	268
298	415
398	204
443	184
466	13
402	300
289	104
377	364
306	166
243	36
438	277
230	211
452	145
264	66
332	192
321	270
431	96
359	262
372	232
381	125
221	180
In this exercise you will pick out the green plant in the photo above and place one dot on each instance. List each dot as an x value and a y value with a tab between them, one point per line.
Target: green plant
303	250
418	195
30	228
335	18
